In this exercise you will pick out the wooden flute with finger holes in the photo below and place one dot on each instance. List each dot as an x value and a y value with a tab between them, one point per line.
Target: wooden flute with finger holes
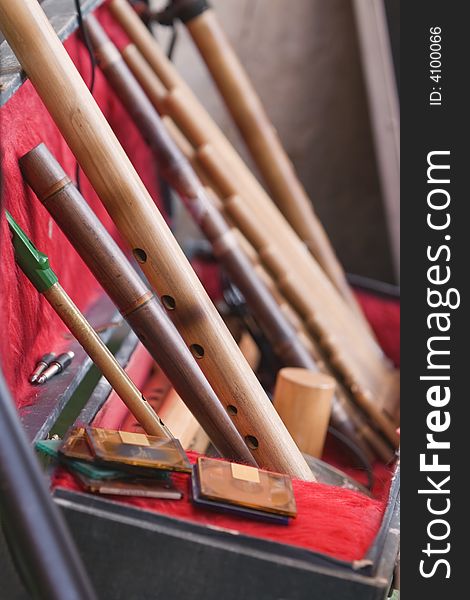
103	160
136	302
347	345
180	175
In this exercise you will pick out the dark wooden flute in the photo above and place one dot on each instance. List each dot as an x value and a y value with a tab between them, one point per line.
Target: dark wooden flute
137	304
180	175
178	172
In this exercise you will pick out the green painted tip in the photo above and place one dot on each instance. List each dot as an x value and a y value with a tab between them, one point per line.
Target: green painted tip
33	263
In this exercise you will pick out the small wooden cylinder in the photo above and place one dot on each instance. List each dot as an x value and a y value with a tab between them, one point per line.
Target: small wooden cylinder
303	401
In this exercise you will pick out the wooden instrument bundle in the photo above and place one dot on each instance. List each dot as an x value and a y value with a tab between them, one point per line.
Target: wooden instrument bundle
227	244
111	173
262	140
137	304
342	339
280	258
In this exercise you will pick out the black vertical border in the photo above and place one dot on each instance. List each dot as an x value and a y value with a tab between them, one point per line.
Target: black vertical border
424	129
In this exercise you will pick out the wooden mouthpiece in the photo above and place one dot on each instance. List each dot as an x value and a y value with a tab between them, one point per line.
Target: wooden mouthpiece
137	304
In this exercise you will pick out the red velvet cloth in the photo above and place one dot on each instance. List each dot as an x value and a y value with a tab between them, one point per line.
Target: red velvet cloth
384	317
334	521
29	326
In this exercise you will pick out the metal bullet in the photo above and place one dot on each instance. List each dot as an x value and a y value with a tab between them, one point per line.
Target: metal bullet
41	366
56	366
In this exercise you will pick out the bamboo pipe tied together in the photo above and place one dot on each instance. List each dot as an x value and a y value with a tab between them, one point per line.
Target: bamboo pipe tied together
109	170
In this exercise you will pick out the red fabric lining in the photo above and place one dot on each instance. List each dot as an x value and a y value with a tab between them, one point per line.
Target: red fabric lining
384	316
337	522
30	327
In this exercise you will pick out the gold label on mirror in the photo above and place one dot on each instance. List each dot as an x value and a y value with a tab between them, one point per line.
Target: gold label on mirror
138	439
138	450
245	473
241	485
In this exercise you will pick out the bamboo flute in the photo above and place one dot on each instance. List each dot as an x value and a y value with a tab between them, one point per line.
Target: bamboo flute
137	304
182	100
353	355
201	132
109	170
179	104
262	139
178	173
365	372
307	333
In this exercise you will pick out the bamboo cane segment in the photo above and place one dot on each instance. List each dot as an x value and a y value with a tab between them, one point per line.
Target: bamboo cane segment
344	415
264	144
104	360
303	399
146	50
105	163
